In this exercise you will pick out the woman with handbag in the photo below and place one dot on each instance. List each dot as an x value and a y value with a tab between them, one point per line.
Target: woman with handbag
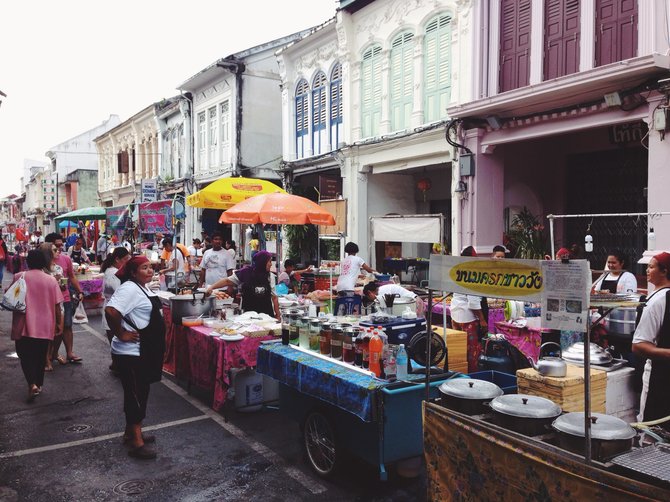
135	317
33	329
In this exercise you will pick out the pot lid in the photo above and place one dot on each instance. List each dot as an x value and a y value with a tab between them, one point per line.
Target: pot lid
603	426
525	406
598	355
470	388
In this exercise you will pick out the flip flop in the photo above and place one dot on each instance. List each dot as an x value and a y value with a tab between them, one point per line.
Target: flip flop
61	360
48	368
75	359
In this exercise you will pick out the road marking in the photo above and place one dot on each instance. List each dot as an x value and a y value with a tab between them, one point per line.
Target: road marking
98	439
313	486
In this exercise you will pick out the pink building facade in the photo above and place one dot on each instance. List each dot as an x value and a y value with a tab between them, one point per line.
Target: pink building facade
569	117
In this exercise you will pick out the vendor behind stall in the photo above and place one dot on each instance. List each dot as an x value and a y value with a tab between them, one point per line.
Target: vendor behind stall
616	279
290	275
350	269
652	340
256	283
372	290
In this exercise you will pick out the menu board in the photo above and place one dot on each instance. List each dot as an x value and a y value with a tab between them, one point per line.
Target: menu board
565	302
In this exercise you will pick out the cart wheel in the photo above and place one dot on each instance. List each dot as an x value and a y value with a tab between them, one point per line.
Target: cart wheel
321	444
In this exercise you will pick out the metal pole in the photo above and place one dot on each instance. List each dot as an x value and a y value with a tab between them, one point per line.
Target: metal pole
587	394
429	341
551	233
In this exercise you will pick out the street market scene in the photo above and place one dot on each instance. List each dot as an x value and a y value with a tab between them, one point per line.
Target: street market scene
384	250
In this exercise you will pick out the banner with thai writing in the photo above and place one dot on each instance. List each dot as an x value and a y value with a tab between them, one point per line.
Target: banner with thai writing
506	278
156	217
117	220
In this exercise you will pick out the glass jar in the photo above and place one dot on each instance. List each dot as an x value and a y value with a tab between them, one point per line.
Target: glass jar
314	332
358	351
294	319
337	335
348	355
303	332
324	338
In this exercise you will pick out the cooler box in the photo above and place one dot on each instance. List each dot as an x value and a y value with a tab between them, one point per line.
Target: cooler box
399	330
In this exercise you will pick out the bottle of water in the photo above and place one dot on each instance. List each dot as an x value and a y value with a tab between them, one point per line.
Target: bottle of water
401	363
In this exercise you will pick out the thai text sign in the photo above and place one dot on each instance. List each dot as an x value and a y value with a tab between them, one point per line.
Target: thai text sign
156	217
512	279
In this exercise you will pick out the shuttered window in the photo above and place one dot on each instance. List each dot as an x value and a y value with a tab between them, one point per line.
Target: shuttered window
371	91
561	38
301	117
616	30
225	132
213	136
515	21
401	81
319	107
336	106
202	139
437	67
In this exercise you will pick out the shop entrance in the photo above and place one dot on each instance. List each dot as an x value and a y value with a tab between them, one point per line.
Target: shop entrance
210	224
611	181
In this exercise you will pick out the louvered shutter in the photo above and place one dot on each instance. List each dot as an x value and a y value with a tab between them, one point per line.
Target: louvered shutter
401	81
562	33
301	117
319	113
371	91
616	30
336	105
515	28
437	72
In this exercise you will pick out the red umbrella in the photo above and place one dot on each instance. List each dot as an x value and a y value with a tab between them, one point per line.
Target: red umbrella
277	209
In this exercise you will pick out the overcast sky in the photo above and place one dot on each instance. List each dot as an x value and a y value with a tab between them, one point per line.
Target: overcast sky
66	65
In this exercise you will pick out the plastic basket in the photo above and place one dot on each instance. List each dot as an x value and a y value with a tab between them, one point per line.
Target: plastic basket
505	381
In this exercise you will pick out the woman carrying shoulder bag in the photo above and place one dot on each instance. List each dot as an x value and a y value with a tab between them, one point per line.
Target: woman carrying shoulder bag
33	330
135	317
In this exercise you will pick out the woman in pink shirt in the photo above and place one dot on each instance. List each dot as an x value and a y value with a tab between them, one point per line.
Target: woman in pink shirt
33	330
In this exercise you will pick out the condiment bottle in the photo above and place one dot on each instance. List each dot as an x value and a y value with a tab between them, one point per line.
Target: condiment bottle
314	332
324	339
366	349
348	355
336	342
303	332
376	347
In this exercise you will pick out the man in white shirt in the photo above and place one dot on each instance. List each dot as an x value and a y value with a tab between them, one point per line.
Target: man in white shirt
176	261
217	263
101	248
371	291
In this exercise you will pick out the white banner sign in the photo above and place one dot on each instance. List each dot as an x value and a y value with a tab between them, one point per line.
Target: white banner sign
407	229
149	190
565	302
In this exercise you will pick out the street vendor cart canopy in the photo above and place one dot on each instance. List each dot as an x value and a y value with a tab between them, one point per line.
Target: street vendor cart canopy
224	193
86	213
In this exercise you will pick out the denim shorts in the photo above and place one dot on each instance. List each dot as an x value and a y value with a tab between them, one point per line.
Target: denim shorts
67	314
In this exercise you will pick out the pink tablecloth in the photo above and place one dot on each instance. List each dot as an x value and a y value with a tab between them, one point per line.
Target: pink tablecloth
527	340
91	286
211	360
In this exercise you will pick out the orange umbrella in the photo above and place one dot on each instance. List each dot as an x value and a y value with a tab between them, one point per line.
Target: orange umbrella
277	209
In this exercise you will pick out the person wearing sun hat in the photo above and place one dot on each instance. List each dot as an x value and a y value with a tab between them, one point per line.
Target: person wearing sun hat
135	317
651	340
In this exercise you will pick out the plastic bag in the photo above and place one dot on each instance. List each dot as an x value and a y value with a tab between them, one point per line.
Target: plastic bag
14	298
80	316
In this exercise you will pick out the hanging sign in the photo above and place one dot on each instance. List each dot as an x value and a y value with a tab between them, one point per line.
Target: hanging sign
149	190
565	302
156	217
117	220
512	279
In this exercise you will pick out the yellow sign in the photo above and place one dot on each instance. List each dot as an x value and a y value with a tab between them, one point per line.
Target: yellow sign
514	279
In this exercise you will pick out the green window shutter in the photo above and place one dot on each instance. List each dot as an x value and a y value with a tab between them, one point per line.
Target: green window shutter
437	67
402	80
371	91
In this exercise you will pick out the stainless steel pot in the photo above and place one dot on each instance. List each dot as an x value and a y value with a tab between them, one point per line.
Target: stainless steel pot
575	354
401	304
525	414
468	396
610	436
190	305
621	321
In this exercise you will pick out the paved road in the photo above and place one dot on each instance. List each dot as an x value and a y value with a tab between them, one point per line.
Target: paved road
66	446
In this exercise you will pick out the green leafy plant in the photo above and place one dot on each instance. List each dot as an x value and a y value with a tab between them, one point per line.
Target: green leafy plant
526	238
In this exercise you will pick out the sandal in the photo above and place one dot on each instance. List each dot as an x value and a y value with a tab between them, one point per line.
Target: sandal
143	453
75	359
147	438
61	360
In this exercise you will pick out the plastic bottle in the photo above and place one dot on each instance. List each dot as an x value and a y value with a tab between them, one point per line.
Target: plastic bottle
376	348
366	348
401	363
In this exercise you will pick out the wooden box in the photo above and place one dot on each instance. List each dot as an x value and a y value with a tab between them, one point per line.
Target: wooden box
457	346
568	391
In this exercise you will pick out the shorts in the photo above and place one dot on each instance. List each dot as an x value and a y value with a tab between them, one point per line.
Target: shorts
67	314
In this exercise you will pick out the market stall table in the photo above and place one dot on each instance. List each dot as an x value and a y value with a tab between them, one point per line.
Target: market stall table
193	354
340	407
